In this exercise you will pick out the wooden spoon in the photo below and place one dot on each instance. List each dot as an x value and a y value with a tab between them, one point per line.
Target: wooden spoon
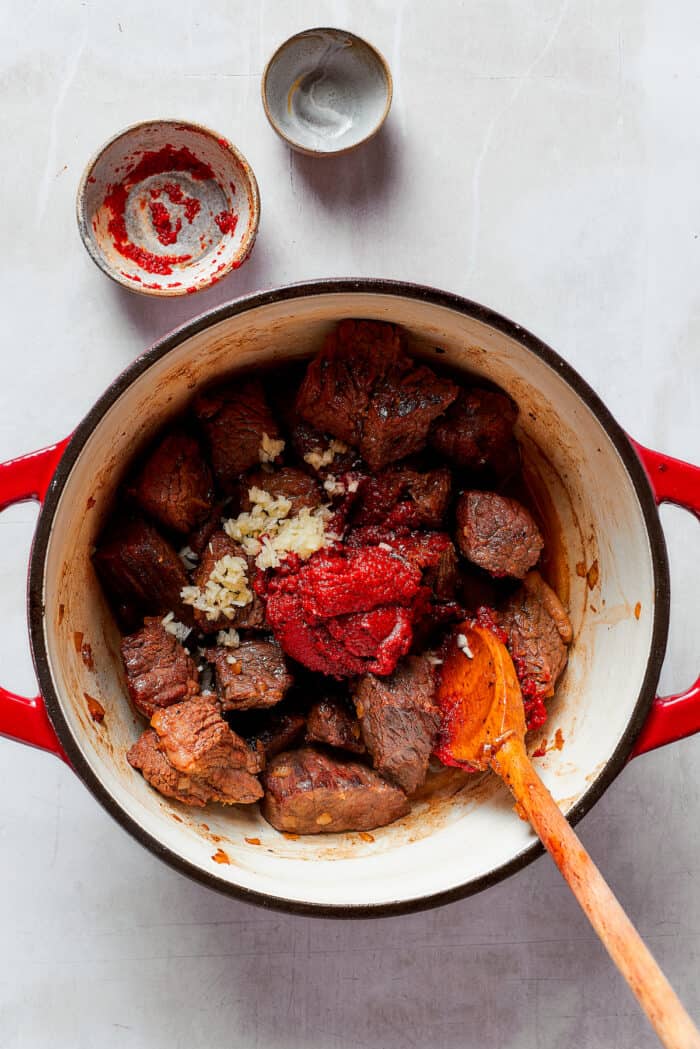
484	726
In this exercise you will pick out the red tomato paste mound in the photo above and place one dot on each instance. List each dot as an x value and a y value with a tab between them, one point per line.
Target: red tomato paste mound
346	612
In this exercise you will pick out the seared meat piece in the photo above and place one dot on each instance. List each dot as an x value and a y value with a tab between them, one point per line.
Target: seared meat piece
292	484
535	584
138	568
159	671
250	616
476	432
196	740
229	786
401	496
538	651
234	418
157	770
253	675
399	721
364	389
324	455
309	792
175	484
198	539
270	731
331	721
497	534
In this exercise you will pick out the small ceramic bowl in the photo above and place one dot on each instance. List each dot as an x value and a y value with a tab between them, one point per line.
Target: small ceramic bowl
168	208
325	91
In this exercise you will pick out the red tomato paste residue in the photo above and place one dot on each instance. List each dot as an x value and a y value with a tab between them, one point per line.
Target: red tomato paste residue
226	221
152	163
162	224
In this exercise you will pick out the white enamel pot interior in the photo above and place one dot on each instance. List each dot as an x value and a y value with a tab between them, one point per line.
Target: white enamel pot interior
466	835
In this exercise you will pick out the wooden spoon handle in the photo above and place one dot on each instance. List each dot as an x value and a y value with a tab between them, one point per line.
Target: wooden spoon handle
627	949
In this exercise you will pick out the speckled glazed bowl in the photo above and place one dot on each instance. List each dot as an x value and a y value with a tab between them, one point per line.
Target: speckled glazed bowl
462	833
325	91
168	208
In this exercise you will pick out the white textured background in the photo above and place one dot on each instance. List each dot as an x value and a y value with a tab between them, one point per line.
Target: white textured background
543	158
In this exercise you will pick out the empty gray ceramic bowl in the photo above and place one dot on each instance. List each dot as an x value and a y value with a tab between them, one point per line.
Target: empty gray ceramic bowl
325	91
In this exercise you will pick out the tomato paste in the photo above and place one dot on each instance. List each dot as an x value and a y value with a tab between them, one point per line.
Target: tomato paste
346	612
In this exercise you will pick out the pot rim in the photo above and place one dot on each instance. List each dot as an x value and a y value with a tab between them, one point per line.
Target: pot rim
331	286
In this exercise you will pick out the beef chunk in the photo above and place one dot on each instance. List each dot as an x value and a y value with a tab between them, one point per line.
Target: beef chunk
399	721
538	651
365	390
253	675
321	452
250	616
270	731
234	418
401	496
229	786
535	584
292	484
157	770
331	721
199	538
175	484
159	671
196	740
309	792
497	534
139	569
476	432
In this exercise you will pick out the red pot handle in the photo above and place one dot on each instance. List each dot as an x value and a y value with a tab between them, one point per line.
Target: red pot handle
21	717
671	717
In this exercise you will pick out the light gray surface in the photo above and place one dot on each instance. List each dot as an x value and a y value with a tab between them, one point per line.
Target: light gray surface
540	157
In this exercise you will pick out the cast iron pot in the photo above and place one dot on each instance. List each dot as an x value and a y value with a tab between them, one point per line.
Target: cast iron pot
601	490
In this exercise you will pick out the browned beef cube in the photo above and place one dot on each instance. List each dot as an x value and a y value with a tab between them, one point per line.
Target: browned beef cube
196	740
309	792
476	432
401	496
198	539
254	675
315	449
159	671
399	721
250	616
497	533
289	483
270	731
175	484
534	641
365	390
235	418
228	786
139	568
331	721
145	756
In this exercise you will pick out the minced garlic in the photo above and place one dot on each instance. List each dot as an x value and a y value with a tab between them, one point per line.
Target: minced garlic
318	458
172	626
225	590
269	449
268	533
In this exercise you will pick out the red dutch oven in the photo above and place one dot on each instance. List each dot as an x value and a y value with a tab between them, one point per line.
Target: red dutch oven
601	488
